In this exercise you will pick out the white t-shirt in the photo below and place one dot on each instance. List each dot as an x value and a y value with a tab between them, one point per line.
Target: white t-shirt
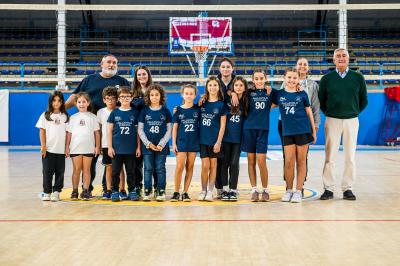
102	117
55	132
82	125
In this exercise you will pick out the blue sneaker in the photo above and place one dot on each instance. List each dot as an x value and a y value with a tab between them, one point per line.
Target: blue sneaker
106	195
133	196
115	196
123	195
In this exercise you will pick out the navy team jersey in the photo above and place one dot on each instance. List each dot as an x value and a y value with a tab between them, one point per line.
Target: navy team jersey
138	103
234	124
187	139
155	127
292	108
124	131
259	108
210	121
94	85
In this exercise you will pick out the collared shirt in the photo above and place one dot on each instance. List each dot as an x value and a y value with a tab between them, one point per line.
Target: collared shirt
343	74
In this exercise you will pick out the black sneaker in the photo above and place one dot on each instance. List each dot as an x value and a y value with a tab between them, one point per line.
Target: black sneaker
85	195
348	195
327	195
139	193
225	196
233	196
185	197
74	195
175	197
155	194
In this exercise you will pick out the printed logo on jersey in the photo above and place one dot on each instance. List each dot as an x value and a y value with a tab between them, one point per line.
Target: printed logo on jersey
147	117
282	99
195	115
82	122
298	99
181	116
216	111
57	121
117	118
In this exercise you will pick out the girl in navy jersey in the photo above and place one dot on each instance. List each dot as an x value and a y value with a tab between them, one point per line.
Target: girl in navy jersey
255	133
155	131
212	127
185	140
52	124
298	130
141	81
232	140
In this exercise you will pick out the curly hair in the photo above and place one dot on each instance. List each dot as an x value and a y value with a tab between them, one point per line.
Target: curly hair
110	91
160	89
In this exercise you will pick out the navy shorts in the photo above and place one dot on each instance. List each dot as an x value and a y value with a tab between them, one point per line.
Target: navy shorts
299	139
106	159
207	151
84	155
255	141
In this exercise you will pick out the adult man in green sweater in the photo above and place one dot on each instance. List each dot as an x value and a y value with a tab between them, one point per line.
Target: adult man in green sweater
342	95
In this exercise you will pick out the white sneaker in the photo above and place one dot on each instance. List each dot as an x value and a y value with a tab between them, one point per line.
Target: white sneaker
219	193
55	196
287	196
45	197
209	196
296	197
202	196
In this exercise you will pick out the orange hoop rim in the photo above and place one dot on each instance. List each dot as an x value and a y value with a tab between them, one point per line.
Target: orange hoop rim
200	48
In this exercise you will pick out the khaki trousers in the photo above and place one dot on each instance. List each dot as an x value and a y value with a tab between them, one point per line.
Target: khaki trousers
334	130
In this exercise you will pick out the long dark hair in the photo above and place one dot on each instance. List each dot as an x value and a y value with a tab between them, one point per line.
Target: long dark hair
137	88
220	94
244	100
50	109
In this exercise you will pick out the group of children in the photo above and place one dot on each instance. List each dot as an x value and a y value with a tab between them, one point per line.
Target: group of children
219	126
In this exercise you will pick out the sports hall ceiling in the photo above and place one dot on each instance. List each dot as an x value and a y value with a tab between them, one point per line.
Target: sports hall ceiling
158	21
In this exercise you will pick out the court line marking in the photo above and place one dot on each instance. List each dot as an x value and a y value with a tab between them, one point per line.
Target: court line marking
194	220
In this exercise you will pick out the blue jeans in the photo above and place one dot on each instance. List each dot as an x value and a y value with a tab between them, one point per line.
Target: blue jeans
154	163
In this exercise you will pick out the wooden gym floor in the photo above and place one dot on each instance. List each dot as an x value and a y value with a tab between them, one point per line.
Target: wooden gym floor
363	232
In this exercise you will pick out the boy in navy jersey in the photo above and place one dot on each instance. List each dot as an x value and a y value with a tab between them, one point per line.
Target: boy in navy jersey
124	143
155	131
298	130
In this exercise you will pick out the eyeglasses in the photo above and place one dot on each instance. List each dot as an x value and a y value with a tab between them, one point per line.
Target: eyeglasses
125	97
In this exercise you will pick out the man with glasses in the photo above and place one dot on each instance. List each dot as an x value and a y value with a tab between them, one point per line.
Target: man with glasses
94	85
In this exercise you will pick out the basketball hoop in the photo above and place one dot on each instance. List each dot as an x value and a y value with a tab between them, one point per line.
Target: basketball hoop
200	52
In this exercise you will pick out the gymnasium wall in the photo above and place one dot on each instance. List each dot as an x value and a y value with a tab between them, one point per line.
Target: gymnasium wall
26	107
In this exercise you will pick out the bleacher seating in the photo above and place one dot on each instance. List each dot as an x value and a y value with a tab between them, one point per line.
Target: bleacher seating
371	56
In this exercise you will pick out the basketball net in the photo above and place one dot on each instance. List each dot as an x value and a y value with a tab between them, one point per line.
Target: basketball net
200	52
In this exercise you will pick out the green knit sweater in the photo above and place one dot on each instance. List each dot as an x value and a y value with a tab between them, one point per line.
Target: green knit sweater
342	98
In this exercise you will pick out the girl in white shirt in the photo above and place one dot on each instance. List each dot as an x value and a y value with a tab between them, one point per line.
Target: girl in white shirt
83	143
52	124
